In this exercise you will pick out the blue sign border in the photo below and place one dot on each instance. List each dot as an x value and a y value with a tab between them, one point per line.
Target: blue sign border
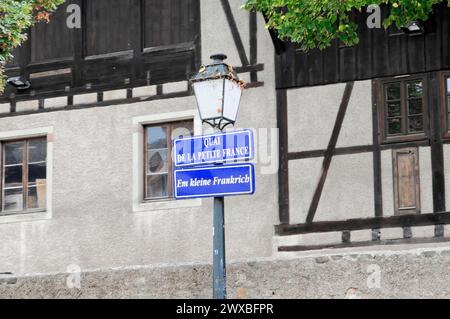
212	167
249	157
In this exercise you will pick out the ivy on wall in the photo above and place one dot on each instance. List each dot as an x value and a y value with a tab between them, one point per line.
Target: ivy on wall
316	23
16	17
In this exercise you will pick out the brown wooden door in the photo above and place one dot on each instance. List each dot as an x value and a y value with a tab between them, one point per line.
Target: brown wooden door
406	181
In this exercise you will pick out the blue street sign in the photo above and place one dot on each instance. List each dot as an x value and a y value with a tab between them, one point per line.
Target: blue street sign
214	181
214	148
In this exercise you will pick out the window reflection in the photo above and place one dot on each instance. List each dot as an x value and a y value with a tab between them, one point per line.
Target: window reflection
24	159
158	162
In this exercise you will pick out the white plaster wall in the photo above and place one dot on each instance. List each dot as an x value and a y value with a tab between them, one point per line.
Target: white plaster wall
387	183
303	177
357	126
447	174
93	225
426	183
347	193
312	113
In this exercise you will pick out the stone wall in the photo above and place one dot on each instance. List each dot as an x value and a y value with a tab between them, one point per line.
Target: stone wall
405	273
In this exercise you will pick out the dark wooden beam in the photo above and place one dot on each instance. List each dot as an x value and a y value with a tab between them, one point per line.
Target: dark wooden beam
330	150
437	151
356	149
235	32
12	106
394	146
365	223
71	106
249	68
363	244
253	27
283	171
252	85
377	184
280	46
337	151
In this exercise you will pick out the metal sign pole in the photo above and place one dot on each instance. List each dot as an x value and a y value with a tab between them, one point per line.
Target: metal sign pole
219	266
193	177
219	270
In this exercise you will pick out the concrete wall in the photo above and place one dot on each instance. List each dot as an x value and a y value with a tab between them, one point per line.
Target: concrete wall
94	222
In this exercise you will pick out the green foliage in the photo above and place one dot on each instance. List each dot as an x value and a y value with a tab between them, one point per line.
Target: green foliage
316	23
16	16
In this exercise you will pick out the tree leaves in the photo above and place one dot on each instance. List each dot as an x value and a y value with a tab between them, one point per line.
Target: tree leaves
317	23
15	18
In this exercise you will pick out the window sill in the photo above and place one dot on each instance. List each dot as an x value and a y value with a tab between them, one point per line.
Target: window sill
166	204
24	217
404	139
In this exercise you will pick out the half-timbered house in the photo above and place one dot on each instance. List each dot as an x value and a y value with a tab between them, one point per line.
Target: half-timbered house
364	138
352	149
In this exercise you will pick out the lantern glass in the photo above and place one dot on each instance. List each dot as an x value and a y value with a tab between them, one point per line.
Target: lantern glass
218	91
232	98
209	96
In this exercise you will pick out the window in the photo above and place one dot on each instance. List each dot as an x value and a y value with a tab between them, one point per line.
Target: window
403	112
158	162
405	164
24	175
447	99
446	103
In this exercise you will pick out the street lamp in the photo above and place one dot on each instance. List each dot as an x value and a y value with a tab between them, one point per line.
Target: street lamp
20	83
414	28
218	92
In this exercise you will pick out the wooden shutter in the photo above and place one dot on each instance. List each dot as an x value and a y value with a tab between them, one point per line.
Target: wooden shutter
405	163
122	43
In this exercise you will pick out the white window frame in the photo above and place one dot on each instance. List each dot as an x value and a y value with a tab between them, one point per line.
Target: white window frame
25	134
139	204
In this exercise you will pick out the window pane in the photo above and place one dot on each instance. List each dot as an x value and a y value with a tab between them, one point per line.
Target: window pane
13	200
157	186
37	195
156	137
394	126
448	85
37	150
36	172
182	129
393	91
415	106
157	161
14	153
13	176
415	124
415	89
393	109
